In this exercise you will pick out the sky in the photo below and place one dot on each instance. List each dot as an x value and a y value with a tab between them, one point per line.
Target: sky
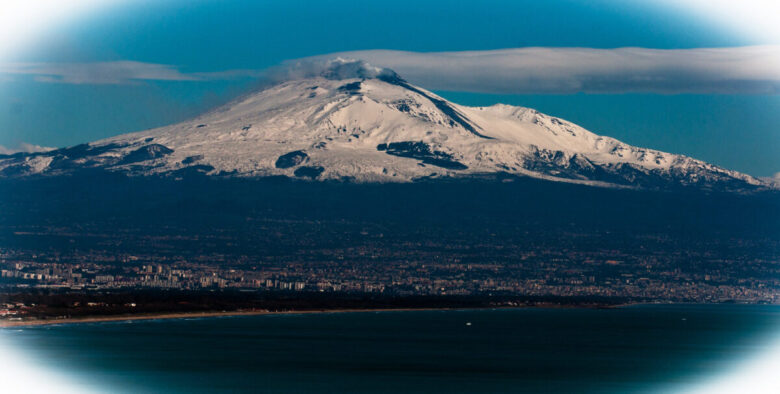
121	66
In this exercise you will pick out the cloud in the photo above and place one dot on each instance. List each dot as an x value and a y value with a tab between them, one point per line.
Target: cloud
24	147
326	67
116	73
737	70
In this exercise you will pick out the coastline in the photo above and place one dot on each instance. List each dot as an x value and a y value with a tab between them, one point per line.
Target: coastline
190	315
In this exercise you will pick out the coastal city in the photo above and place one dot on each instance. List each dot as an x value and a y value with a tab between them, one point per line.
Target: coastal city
411	270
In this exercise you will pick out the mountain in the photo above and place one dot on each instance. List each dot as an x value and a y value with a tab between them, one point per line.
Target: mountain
353	122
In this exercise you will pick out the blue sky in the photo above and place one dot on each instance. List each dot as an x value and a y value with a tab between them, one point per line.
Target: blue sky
735	130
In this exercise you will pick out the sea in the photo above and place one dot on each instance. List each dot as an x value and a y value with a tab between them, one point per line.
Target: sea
632	349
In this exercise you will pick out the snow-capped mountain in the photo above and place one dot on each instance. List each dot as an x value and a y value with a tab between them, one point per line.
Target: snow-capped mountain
351	121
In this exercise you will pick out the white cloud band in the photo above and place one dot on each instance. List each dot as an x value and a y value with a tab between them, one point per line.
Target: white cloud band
738	70
113	73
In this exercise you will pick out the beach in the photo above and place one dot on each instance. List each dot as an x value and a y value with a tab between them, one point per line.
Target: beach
191	315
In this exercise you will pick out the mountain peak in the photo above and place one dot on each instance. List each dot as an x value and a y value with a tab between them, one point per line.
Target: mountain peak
340	68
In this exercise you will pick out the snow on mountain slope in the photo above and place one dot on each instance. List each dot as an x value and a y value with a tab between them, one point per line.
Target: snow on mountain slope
353	121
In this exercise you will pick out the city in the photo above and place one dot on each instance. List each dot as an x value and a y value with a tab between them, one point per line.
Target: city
399	267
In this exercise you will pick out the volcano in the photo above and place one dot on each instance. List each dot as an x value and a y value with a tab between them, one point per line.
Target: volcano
358	123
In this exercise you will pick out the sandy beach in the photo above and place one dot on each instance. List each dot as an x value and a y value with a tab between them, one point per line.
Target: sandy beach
189	315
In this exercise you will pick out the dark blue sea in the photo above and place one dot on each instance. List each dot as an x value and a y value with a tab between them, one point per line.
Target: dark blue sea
636	349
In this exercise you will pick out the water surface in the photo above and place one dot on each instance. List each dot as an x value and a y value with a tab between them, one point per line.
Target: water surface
638	349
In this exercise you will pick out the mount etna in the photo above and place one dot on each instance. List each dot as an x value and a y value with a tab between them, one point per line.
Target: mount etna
358	123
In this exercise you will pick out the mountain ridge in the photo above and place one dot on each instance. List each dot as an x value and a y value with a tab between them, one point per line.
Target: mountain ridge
350	121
